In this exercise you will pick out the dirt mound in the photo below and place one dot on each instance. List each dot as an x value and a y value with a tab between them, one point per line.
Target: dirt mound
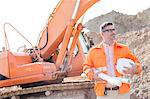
123	22
139	43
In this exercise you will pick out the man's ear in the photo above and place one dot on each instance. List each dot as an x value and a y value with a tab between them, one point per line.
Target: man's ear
101	34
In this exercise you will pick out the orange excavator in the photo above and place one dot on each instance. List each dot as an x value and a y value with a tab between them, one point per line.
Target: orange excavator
59	52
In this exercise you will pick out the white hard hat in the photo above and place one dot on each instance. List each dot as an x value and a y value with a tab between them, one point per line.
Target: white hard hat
122	63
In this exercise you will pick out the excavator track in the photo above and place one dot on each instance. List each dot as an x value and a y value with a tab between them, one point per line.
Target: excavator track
47	88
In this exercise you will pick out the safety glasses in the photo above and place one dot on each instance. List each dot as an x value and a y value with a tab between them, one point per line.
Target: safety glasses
109	30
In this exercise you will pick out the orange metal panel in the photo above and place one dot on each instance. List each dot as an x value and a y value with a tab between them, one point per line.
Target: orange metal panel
25	80
4	69
22	58
25	70
33	72
77	62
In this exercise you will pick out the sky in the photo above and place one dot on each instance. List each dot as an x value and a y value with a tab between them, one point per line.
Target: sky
30	16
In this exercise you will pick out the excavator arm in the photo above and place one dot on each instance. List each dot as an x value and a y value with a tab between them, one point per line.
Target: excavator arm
67	11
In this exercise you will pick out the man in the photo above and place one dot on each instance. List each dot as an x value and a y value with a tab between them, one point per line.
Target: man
103	57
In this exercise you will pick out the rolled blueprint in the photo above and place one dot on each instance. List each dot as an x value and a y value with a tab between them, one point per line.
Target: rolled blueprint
109	79
123	80
112	80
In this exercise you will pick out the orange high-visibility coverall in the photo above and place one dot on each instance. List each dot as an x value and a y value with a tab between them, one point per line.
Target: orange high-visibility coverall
96	58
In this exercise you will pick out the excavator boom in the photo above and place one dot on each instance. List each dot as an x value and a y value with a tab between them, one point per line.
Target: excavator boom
55	30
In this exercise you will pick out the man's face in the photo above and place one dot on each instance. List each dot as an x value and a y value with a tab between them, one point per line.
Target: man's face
109	33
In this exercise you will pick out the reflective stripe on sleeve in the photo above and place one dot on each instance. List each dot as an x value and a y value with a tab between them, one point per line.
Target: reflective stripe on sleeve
101	69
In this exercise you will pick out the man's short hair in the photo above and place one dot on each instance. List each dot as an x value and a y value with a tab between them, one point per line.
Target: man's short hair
103	25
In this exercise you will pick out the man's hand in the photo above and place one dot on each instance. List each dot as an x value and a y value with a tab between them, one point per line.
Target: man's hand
131	70
96	78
